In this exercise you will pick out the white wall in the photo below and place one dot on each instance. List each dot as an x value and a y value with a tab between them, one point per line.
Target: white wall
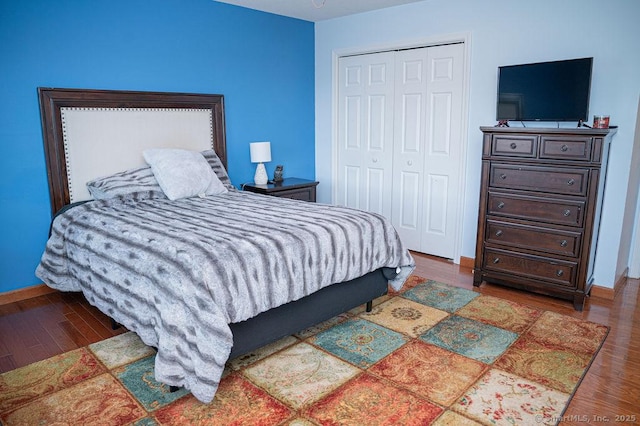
634	189
504	32
634	263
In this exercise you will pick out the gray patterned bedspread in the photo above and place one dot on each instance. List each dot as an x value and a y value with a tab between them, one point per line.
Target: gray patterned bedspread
178	272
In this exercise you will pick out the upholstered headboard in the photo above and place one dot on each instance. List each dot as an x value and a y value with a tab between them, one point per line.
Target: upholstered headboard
93	133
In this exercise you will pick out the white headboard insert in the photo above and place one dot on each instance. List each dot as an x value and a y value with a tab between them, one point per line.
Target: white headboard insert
102	141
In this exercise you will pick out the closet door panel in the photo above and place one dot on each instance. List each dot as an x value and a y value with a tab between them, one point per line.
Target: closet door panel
376	123
351	187
443	152
366	132
408	149
407	212
440	125
436	216
411	123
352	127
375	196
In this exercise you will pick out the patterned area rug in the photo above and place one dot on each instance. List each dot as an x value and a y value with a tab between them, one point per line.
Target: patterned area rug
431	354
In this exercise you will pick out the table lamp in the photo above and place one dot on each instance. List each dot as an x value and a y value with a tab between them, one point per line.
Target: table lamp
260	153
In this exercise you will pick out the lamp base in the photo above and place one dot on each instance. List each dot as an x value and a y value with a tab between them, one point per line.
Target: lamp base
261	175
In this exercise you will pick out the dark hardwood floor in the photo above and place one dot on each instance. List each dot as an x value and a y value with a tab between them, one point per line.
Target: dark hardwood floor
38	328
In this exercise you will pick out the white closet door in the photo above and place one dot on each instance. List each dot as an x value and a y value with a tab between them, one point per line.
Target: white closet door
441	213
365	126
408	150
399	153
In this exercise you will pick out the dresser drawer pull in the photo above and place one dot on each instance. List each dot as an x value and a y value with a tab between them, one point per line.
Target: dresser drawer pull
501	205
513	145
566	213
499	233
571	182
496	260
563	243
503	176
559	273
564	148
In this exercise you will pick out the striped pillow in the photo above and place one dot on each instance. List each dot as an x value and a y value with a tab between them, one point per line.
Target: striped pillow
133	180
215	163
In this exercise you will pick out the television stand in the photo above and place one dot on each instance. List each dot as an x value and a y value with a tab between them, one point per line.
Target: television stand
502	123
581	123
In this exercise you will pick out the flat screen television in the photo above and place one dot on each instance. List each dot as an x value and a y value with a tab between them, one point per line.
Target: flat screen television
545	91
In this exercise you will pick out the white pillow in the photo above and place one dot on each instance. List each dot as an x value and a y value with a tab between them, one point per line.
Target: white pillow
182	173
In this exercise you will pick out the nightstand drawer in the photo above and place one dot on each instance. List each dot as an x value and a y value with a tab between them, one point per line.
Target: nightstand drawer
549	240
544	179
303	194
293	188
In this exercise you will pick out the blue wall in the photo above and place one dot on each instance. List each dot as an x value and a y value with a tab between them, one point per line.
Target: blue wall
263	64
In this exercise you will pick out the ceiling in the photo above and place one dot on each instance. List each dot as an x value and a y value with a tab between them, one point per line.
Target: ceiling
316	10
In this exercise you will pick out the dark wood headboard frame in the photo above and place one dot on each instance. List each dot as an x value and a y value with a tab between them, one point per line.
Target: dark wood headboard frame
52	100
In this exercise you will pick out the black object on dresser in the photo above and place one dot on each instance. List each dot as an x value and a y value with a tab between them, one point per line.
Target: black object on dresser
540	203
298	189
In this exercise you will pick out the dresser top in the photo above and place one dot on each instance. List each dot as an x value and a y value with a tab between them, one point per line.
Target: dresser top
551	130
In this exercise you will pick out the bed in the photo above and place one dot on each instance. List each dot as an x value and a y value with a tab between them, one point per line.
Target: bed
202	278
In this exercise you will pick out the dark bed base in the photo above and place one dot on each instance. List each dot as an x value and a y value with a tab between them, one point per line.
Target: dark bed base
320	306
313	309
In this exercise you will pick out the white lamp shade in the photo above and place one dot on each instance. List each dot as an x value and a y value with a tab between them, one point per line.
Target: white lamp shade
260	152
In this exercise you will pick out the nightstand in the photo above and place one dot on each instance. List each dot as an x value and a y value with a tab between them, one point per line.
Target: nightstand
295	188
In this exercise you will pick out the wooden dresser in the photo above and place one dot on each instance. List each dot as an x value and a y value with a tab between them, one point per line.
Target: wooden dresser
540	203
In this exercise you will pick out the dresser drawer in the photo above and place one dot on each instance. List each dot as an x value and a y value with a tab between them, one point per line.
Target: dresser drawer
514	146
561	212
550	270
566	148
543	179
554	241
